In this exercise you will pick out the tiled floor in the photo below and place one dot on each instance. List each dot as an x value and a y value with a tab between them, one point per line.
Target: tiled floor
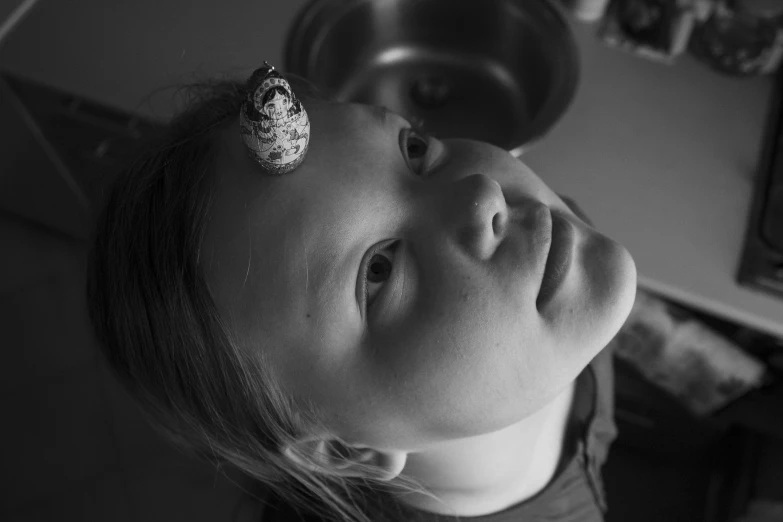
75	447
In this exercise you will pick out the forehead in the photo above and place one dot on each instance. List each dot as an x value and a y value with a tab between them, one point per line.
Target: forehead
275	248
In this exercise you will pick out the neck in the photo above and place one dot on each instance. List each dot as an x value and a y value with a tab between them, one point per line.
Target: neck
488	473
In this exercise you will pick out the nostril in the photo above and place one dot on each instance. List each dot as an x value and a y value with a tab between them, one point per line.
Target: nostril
498	223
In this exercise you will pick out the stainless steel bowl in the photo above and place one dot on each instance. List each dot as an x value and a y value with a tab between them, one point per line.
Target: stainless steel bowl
501	71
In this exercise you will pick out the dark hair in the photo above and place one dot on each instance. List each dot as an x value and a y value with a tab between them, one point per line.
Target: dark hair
162	334
268	95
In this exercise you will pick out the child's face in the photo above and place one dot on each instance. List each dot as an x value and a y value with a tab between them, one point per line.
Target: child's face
452	343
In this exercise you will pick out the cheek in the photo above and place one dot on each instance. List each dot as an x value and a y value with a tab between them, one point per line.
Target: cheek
462	387
466	362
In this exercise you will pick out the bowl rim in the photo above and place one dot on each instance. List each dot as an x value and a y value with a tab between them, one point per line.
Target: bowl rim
565	79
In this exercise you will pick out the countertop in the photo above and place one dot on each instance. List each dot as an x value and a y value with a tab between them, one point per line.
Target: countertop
662	158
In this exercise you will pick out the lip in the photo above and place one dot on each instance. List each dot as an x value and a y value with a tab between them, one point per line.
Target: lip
558	259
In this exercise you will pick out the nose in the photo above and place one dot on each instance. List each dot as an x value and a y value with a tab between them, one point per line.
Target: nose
480	215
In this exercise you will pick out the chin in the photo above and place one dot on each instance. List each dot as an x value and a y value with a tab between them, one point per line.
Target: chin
621	289
608	288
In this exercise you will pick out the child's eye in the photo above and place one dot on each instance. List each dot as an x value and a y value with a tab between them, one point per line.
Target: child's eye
378	271
416	144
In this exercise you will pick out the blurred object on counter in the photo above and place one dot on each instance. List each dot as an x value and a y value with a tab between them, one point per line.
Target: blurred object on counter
763	510
655	29
586	10
702	369
739	38
763	8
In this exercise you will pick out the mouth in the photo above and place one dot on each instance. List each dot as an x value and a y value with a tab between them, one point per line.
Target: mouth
558	259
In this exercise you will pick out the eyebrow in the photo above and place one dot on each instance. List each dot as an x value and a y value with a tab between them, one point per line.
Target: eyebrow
383	116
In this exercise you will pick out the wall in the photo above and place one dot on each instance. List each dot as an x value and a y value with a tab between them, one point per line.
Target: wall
119	52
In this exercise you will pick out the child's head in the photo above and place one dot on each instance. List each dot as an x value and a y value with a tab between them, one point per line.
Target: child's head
274	103
379	300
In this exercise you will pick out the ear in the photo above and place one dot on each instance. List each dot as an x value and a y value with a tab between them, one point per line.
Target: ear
343	459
